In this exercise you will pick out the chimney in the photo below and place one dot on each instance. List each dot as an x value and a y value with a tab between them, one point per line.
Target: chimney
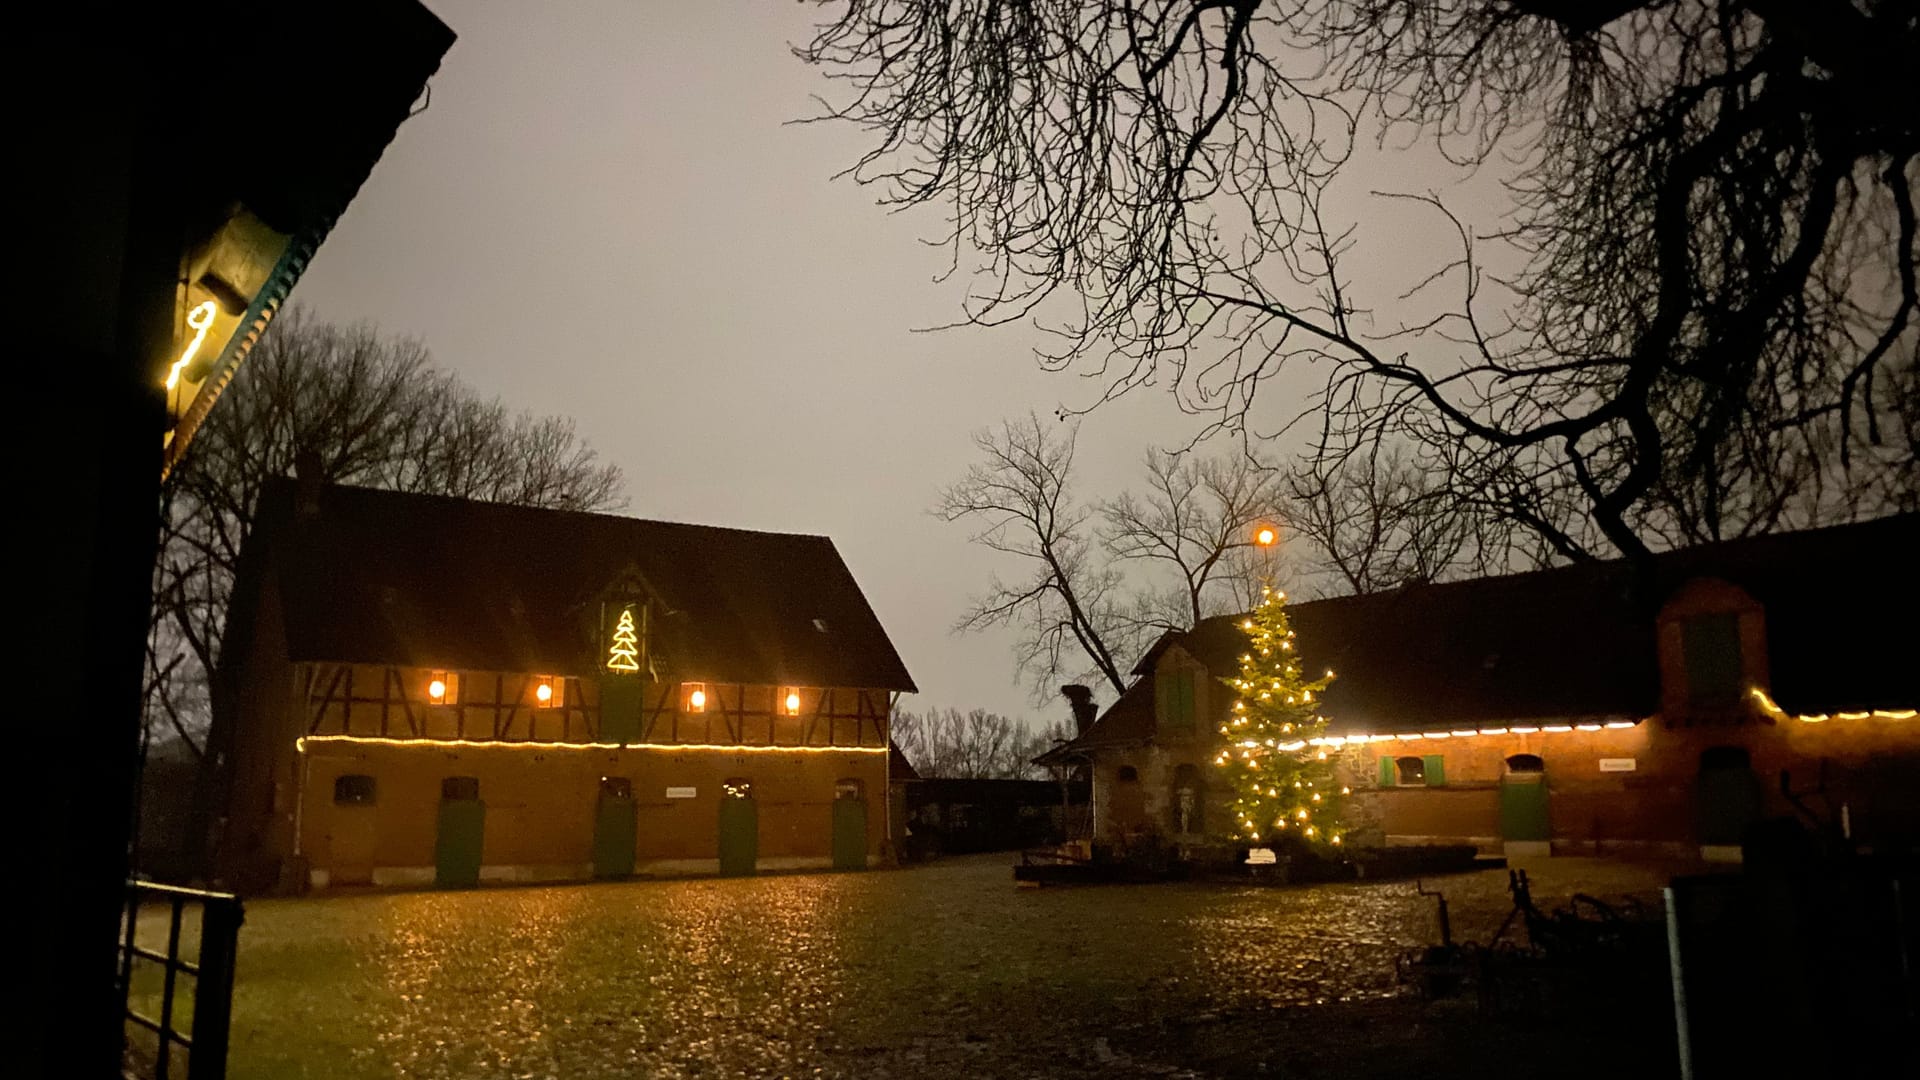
1080	698
306	483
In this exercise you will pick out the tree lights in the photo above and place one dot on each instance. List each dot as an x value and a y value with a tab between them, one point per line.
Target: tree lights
1274	757
624	654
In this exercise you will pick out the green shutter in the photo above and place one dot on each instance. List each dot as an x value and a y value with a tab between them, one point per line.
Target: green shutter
1710	645
1389	773
1173	700
1436	775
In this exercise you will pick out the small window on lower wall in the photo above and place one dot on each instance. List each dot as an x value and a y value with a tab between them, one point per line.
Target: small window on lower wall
460	787
736	787
353	789
849	789
1410	771
616	787
1128	774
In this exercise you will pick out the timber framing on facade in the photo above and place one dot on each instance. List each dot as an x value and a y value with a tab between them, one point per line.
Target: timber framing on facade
340	702
430	690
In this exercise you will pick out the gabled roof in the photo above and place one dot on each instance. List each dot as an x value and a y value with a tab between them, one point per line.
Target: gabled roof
386	577
1578	641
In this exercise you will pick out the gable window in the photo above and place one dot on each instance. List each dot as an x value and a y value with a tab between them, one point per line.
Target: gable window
1174	698
443	688
353	789
789	701
695	696
1714	666
549	692
460	787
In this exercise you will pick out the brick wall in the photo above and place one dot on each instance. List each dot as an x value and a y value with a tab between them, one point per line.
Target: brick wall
540	805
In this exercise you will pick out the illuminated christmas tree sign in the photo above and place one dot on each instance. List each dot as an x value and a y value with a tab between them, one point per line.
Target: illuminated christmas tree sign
624	653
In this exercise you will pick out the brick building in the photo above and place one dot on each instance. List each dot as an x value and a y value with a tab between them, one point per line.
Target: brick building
1582	709
433	690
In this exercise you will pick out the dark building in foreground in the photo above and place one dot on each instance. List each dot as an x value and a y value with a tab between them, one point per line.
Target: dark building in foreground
185	162
434	690
1578	710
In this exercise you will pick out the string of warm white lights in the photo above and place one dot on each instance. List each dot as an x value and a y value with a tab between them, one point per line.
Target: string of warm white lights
1776	713
1467	733
301	744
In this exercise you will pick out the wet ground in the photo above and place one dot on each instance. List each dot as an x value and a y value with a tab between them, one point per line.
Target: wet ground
944	970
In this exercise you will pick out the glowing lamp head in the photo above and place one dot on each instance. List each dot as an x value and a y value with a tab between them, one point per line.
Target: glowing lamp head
697	699
792	703
437	690
1266	536
544	693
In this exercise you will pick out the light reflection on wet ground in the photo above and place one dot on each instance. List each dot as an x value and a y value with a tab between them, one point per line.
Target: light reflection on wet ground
944	970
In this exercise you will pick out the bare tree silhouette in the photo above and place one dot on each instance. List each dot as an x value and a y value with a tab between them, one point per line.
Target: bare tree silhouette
1708	327
1099	580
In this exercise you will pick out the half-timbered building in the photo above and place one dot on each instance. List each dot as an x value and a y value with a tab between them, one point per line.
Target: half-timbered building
1587	709
421	690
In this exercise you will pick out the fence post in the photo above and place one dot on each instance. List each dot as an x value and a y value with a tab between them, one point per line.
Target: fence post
213	989
1676	967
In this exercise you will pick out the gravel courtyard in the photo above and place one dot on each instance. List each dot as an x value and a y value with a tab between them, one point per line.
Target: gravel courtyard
945	970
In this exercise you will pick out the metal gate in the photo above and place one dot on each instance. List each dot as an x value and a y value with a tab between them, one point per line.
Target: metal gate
156	980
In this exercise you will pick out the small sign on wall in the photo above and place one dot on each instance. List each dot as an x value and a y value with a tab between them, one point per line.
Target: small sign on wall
682	792
1617	764
1261	856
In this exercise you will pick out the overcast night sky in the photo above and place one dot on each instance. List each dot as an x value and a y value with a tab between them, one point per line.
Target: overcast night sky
603	214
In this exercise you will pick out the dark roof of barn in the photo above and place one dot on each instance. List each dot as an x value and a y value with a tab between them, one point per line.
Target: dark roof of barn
1578	641
385	577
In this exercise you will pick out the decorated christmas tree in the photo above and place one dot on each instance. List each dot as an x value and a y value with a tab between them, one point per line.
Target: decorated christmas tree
1274	756
624	653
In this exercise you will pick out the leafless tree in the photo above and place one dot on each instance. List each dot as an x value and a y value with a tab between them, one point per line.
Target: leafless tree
1707	265
362	408
1067	603
972	745
1194	517
1099	580
1384	521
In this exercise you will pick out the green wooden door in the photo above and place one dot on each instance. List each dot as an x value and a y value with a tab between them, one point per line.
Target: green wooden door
1728	797
613	833
1523	807
739	836
456	848
849	834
